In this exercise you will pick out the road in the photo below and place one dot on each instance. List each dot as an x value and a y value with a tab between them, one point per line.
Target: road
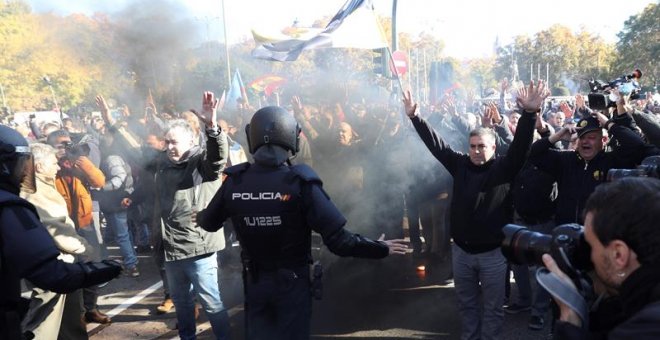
363	299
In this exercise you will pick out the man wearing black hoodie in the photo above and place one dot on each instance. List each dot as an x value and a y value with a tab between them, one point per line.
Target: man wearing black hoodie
481	206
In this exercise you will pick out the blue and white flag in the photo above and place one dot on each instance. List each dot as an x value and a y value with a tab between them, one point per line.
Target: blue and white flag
354	26
236	92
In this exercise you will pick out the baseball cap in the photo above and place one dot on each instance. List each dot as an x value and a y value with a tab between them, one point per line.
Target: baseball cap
587	124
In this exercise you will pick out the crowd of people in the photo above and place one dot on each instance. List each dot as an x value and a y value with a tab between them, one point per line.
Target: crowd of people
139	180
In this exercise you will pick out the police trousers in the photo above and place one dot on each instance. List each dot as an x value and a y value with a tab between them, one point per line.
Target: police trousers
278	304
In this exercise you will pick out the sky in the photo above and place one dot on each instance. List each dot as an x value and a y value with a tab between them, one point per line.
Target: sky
469	28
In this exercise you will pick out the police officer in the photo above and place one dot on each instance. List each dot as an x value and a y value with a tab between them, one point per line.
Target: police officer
26	249
274	207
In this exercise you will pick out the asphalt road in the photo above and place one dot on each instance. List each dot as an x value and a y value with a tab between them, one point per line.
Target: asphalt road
363	299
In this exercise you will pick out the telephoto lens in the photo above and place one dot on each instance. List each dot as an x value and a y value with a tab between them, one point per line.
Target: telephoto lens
566	245
523	246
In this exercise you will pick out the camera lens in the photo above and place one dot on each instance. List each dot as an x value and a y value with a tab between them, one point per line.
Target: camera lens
523	246
614	174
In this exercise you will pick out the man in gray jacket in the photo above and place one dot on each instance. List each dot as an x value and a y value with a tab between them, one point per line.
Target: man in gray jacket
187	177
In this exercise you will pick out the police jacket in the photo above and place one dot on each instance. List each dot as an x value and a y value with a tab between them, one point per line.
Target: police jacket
28	251
188	186
577	178
481	204
275	208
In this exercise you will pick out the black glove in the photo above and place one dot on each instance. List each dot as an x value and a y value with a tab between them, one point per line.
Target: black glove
100	272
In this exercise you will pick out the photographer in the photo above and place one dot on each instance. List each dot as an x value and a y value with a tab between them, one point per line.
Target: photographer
621	228
76	176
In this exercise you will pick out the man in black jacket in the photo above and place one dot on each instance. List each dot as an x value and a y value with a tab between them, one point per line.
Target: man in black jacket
579	172
620	226
480	208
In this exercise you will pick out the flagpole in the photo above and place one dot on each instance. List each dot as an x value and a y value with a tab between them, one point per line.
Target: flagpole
224	29
394	47
396	72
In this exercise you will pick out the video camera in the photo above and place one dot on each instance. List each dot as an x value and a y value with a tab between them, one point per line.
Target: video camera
650	167
601	97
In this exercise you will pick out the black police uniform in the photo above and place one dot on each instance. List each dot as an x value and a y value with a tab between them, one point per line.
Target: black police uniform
28	251
274	209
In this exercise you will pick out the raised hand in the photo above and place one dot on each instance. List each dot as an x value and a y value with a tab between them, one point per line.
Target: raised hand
564	134
579	101
209	110
450	106
105	110
409	104
495	115
531	99
566	109
487	118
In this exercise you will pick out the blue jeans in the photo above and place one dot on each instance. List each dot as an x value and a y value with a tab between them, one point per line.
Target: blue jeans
118	223
139	234
480	291
200	273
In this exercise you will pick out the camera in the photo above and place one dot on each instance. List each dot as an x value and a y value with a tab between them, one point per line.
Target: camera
650	167
601	97
566	245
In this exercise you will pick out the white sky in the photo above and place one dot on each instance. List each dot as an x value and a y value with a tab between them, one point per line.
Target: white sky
468	27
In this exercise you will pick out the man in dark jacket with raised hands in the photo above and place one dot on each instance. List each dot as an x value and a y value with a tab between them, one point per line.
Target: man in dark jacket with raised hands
481	206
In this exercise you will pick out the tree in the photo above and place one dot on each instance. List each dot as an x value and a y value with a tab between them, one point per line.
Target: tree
569	57
639	44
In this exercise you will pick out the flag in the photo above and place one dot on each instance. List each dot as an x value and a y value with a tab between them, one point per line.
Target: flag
354	26
266	84
236	92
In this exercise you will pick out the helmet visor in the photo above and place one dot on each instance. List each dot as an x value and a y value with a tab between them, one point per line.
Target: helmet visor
25	170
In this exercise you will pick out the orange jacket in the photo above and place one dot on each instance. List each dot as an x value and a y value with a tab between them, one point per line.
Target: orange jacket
70	184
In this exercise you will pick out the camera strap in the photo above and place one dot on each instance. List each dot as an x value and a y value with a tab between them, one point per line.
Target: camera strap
564	292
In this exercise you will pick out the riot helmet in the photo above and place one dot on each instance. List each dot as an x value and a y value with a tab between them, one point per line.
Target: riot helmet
16	163
273	125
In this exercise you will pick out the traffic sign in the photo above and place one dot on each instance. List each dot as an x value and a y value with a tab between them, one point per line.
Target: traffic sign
400	62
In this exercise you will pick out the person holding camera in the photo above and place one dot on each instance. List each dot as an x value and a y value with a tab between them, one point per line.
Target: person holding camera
76	176
621	220
480	208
